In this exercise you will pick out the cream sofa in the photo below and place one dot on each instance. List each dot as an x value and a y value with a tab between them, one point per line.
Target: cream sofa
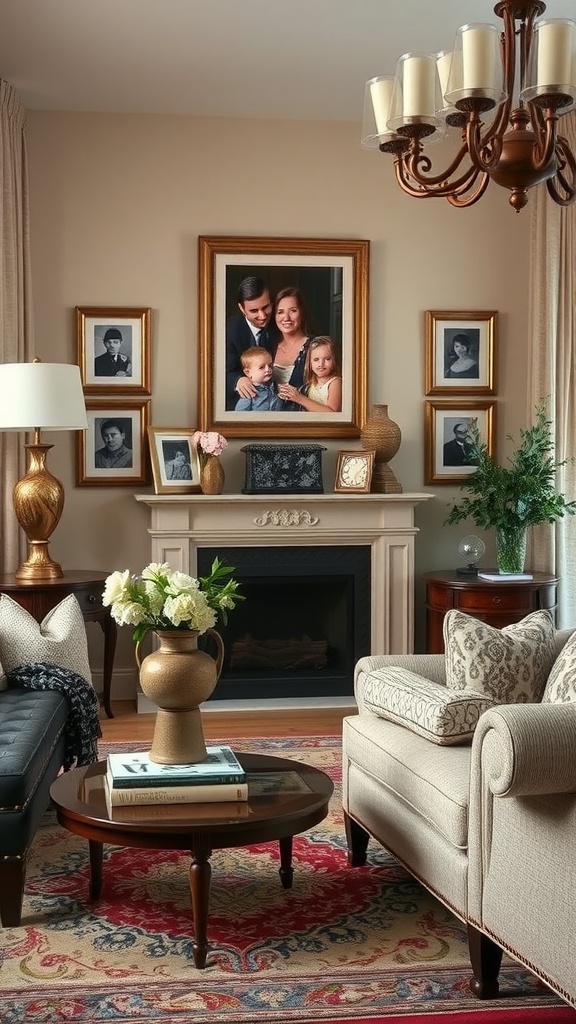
487	825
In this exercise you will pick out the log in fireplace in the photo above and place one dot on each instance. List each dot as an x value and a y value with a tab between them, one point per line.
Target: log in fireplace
303	625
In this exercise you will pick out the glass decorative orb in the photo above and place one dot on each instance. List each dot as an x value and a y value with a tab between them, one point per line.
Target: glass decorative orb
470	549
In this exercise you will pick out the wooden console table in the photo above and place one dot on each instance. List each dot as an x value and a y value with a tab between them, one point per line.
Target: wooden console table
498	604
39	596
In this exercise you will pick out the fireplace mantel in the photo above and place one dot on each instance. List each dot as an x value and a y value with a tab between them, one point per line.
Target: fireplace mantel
180	524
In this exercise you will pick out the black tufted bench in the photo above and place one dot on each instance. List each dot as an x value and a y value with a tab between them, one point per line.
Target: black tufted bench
31	755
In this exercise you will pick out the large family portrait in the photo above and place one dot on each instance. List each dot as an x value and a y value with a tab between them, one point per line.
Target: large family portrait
283	336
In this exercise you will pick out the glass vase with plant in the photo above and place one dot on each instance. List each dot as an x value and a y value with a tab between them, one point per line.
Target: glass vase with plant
511	498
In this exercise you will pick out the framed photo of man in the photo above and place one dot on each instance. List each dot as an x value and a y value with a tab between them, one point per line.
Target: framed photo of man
283	336
113	450
448	426
175	460
114	349
461	353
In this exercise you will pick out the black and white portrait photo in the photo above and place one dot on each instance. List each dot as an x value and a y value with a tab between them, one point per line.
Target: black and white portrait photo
450	428
114	350
461	353
113	449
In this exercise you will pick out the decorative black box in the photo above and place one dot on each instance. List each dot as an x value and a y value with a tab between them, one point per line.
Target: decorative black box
283	469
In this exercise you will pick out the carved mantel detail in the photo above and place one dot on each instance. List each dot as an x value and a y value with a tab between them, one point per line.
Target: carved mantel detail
286	517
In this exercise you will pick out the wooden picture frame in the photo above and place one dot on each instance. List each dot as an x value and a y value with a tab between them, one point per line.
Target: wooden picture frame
354	471
461	352
332	276
175	460
445	437
130	419
93	326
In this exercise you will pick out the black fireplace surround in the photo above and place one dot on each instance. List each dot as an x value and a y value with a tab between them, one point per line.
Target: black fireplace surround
298	600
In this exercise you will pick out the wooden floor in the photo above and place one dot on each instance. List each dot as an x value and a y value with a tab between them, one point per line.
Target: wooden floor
127	724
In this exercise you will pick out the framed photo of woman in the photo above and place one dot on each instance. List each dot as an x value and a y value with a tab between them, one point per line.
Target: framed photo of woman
461	353
448	427
264	304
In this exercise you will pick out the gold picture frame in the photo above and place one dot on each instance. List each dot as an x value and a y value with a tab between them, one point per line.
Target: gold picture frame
461	352
354	472
333	277
445	438
175	460
95	458
130	375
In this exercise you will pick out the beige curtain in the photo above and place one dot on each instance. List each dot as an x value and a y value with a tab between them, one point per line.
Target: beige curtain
15	299
552	368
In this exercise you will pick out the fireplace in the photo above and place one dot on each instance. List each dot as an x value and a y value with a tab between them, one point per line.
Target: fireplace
303	625
344	561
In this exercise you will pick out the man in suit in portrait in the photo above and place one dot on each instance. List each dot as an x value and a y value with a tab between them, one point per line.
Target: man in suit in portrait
112	362
457	451
251	326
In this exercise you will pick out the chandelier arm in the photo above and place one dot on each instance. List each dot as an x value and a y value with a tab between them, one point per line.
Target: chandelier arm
477	146
416	157
470	200
437	187
547	139
565	157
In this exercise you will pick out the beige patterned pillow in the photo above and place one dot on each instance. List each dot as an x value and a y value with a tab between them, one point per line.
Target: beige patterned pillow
427	708
60	638
561	685
510	665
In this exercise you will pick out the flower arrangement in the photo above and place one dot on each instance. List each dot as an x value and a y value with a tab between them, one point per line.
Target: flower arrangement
209	442
164	599
520	494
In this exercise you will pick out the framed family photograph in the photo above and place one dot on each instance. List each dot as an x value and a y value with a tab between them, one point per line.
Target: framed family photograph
113	450
114	349
447	437
461	353
175	460
283	336
354	471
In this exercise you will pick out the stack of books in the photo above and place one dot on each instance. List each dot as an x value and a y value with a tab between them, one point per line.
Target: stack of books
136	779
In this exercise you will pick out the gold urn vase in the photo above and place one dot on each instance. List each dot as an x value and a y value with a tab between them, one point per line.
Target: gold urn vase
211	475
177	677
382	435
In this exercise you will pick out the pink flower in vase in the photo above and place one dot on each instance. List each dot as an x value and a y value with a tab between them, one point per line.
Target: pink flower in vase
209	442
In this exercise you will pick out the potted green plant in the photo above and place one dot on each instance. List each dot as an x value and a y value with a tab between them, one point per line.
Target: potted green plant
511	498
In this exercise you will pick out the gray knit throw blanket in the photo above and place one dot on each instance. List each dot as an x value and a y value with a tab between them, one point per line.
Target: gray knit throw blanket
82	726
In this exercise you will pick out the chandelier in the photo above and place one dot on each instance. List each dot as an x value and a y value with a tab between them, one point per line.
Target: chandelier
525	72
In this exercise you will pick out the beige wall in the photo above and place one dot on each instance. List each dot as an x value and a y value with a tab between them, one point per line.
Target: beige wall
117	203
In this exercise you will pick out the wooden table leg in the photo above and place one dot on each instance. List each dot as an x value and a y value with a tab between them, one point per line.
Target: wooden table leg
110	633
96	855
200	877
286	872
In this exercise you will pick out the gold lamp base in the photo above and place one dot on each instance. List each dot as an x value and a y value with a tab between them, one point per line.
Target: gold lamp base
38	503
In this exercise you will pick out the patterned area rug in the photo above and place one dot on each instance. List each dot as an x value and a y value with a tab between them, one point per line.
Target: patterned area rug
343	944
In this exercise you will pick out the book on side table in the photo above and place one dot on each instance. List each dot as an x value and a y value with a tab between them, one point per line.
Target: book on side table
133	778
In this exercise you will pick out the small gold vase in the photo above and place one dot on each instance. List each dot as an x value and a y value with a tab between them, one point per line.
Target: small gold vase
211	475
177	677
382	435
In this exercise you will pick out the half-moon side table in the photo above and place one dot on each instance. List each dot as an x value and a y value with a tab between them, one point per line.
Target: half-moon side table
39	596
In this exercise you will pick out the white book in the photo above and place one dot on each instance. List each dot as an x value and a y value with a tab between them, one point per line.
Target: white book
137	770
505	577
218	793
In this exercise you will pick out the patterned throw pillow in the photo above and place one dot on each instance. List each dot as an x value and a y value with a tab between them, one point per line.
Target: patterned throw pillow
59	639
561	685
509	665
424	707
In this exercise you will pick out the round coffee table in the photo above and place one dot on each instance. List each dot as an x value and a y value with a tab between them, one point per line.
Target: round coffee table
284	798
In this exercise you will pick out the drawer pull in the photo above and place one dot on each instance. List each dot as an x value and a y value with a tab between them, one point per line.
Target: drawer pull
496	600
92	599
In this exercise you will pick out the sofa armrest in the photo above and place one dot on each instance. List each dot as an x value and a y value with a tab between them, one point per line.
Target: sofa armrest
431	666
526	750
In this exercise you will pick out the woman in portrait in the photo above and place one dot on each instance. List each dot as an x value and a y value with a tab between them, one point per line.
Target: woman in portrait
462	365
293	321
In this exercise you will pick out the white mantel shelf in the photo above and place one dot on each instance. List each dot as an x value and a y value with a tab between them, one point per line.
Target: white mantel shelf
183	523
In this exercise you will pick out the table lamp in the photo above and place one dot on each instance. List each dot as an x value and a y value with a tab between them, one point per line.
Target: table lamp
40	396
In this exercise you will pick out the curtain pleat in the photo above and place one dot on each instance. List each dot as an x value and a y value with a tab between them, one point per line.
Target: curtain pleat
15	300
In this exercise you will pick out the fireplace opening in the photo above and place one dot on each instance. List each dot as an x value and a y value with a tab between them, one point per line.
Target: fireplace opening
304	622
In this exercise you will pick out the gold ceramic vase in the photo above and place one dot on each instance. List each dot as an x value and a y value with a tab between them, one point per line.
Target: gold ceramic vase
211	475
382	435
177	677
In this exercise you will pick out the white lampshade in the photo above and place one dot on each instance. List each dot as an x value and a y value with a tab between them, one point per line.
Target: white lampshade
41	396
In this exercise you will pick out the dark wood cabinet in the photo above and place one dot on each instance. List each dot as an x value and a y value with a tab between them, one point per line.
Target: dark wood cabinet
39	596
498	604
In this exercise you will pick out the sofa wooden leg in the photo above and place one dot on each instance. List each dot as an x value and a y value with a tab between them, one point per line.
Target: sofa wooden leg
485	957
357	839
12	874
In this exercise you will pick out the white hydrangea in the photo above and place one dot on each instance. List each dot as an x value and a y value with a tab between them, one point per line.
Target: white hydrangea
116	587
